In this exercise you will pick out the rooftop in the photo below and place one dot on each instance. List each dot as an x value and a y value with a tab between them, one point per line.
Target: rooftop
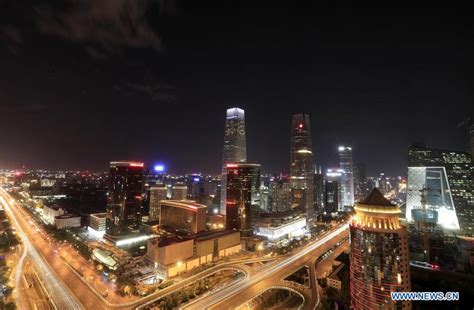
99	215
184	204
66	216
202	236
166	241
206	235
376	198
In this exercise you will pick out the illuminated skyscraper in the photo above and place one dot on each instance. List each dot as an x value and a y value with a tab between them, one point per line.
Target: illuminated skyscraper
379	262
440	183
124	199
333	194
243	204
318	185
235	147
280	195
360	182
347	182
302	170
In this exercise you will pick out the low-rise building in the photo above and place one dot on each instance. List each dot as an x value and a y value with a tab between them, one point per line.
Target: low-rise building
67	221
106	258
172	255
281	225
97	221
50	212
334	279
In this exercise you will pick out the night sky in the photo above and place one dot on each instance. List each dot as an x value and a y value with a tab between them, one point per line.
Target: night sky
86	82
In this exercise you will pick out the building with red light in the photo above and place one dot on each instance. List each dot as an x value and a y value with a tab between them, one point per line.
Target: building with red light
243	204
235	148
124	199
379	261
182	216
302	166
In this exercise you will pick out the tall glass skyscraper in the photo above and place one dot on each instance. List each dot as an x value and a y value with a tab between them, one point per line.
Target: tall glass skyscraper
235	147
302	169
318	190
124	199
347	182
360	182
379	262
243	204
333	194
442	180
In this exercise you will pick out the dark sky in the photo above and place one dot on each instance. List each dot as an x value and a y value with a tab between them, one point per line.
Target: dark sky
86	82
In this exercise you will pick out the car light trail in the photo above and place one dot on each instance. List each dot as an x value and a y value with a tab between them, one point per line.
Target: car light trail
62	297
223	294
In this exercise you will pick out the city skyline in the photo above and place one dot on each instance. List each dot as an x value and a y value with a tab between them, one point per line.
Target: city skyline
332	160
167	154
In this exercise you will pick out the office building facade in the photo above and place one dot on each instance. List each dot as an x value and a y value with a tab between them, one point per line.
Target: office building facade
439	181
97	222
179	192
235	147
243	204
124	199
347	183
182	216
379	259
318	184
301	168
333	196
360	182
157	194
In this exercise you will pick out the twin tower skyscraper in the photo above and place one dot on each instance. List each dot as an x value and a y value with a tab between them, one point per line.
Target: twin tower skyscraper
301	169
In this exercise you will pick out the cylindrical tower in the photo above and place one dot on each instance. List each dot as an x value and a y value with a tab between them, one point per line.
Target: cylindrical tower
379	255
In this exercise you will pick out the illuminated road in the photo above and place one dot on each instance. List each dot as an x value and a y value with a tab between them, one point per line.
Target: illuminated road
237	294
73	293
62	297
19	272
